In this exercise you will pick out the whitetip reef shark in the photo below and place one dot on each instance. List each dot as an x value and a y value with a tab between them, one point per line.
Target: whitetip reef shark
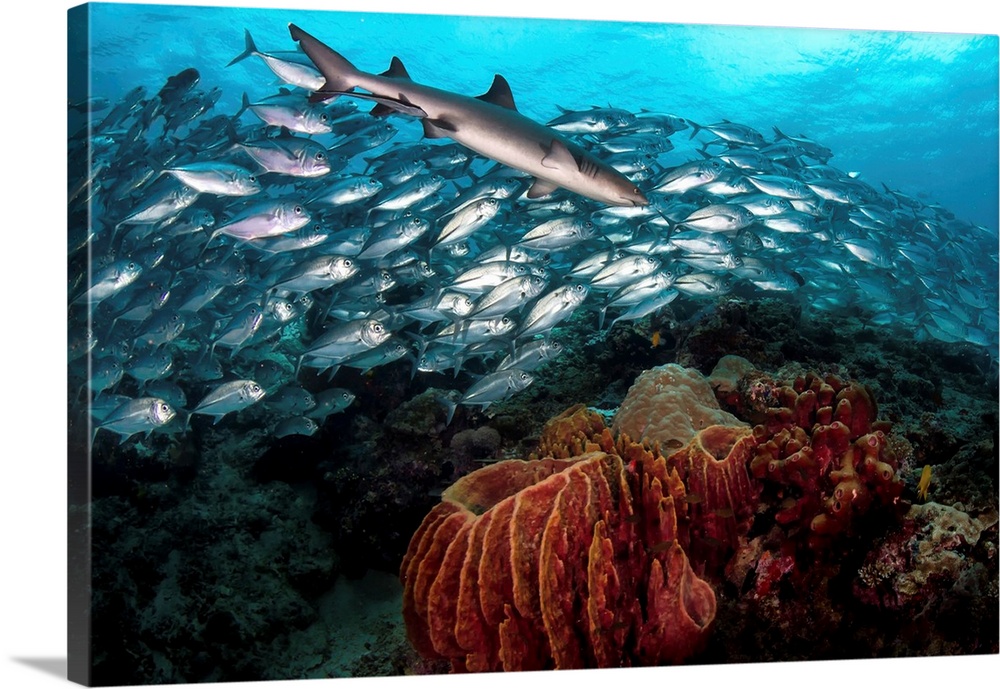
489	124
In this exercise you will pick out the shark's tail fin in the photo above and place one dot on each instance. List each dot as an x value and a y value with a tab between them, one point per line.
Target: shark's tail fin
339	73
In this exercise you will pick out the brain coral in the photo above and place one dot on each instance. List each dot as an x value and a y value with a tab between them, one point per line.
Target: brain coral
556	563
667	405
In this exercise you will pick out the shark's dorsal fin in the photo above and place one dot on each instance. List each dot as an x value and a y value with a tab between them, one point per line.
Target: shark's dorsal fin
499	94
396	70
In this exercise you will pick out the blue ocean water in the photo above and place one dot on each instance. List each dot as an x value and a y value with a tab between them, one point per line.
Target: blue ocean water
915	111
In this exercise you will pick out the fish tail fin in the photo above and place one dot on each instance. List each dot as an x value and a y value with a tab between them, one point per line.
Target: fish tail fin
251	49
243	108
450	408
778	134
212	236
695	128
332	371
340	74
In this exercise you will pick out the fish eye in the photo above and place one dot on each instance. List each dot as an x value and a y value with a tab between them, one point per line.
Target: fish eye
298	210
348	263
378	328
320	156
252	178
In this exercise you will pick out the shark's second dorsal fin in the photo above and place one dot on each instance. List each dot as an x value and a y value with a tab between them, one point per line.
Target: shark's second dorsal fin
396	70
499	94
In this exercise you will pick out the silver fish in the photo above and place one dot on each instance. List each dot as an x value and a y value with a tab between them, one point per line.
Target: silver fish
330	401
493	387
141	415
466	220
229	397
344	340
293	112
296	425
289	155
558	233
291	67
349	190
221	179
719	217
553	308
508	295
291	399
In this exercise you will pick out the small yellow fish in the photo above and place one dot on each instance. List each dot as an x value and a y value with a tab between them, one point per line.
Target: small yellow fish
656	339
925	482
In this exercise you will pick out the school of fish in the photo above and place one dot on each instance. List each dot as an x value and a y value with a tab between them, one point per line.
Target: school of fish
214	257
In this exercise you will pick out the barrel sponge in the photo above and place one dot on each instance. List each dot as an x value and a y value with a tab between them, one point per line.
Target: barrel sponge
668	405
557	563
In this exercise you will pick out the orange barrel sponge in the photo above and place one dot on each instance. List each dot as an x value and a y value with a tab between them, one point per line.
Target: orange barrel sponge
556	563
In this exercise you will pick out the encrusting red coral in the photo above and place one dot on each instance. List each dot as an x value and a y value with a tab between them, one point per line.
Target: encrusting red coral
831	458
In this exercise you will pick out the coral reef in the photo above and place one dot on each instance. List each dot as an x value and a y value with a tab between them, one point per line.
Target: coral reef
557	563
936	576
822	452
931	544
667	405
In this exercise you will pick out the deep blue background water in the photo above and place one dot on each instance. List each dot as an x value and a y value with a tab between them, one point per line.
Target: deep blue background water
917	111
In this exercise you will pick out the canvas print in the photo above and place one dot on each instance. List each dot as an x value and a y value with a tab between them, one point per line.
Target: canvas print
411	344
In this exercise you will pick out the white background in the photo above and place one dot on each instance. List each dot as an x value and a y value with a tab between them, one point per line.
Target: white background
33	328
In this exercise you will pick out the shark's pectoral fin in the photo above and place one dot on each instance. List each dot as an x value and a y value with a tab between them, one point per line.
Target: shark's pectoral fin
558	157
499	94
438	129
541	187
